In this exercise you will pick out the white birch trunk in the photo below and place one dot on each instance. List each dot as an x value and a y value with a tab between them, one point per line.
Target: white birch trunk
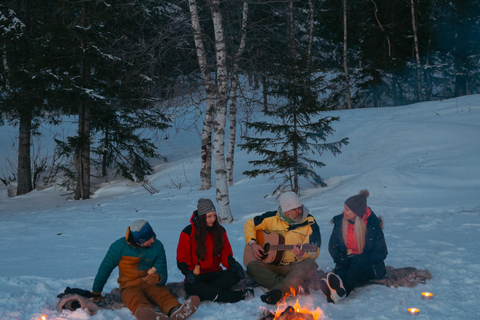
233	98
345	61
218	145
206	153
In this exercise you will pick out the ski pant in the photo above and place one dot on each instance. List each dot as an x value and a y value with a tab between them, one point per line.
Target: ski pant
216	286
355	273
145	296
282	277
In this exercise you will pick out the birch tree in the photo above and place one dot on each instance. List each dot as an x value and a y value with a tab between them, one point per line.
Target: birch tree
206	148
233	96
218	145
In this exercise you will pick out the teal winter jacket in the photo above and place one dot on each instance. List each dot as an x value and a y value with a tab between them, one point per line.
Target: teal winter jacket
133	263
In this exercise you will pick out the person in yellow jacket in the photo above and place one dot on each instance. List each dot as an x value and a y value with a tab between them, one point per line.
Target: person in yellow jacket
292	223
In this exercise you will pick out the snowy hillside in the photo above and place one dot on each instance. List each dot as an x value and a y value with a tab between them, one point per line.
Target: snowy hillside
420	163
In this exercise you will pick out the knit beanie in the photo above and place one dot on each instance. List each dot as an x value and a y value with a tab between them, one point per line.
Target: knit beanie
205	206
289	200
358	203
141	231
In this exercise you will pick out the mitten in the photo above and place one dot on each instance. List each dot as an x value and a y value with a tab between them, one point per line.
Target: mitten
152	278
236	267
190	277
96	297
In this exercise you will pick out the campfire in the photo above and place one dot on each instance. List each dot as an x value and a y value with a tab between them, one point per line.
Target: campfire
288	312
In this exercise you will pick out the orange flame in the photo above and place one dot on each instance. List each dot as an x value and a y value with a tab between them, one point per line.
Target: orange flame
43	317
281	306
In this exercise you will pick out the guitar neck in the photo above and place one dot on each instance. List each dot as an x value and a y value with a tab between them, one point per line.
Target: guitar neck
281	247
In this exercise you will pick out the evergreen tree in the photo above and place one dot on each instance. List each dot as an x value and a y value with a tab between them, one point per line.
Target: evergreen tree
294	139
111	85
88	59
28	83
296	136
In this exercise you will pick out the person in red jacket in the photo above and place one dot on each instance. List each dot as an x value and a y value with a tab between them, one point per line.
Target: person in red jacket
202	247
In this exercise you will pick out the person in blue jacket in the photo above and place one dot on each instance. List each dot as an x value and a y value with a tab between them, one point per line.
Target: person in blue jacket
142	265
357	246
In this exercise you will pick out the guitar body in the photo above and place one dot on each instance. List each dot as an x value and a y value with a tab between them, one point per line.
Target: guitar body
268	241
274	246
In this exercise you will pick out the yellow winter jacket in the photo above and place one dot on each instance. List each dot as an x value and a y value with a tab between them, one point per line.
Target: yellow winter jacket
305	231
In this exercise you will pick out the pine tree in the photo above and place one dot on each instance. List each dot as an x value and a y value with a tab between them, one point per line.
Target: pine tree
28	83
296	136
91	60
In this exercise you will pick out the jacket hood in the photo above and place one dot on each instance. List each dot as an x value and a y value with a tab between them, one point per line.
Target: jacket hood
193	218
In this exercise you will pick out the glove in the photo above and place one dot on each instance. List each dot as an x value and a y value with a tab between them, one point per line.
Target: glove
236	268
96	297
152	278
190	277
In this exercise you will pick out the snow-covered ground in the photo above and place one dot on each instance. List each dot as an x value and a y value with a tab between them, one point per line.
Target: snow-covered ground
421	164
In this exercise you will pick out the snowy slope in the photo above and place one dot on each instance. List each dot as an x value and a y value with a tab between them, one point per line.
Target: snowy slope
420	163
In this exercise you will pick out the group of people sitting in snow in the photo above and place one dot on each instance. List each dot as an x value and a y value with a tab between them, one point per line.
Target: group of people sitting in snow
280	252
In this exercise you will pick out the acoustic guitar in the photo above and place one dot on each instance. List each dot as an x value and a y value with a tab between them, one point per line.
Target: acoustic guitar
274	246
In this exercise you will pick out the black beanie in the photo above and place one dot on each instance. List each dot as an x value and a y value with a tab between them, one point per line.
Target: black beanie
205	206
358	203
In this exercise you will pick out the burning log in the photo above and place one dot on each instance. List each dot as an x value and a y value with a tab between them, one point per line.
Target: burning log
288	314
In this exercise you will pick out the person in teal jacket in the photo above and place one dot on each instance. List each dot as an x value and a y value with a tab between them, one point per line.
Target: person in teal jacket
142	265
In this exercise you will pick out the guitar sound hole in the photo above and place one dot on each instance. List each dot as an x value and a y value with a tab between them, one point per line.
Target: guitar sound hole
266	248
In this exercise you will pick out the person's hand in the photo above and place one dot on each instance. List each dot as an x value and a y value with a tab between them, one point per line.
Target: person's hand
257	251
236	267
297	250
152	278
190	277
96	297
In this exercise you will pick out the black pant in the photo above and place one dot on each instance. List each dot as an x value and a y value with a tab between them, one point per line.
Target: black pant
216	286
356	272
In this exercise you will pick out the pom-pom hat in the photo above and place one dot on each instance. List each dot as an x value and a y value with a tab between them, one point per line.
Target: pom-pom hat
358	203
141	231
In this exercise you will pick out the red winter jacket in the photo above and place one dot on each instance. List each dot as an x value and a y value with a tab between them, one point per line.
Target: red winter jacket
187	247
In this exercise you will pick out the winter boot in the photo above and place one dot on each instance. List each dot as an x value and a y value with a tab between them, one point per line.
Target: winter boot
272	297
336	287
186	309
149	314
326	289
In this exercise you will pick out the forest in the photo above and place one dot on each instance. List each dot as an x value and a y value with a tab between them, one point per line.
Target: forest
118	67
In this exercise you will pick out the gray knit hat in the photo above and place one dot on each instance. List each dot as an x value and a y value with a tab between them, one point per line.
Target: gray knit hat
205	206
358	203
